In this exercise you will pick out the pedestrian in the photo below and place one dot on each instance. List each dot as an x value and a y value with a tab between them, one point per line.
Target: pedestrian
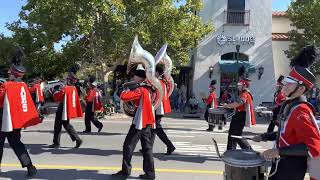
182	102
298	138
314	94
211	102
15	116
194	104
140	129
69	108
93	104
244	116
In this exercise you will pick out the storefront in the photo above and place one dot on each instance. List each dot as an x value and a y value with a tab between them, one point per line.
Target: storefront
243	37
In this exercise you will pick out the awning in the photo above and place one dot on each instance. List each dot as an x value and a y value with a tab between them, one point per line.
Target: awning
230	66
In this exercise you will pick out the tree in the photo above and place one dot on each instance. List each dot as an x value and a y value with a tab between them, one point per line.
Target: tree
305	16
101	32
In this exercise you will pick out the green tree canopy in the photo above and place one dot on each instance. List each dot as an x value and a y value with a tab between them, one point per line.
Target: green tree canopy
305	16
100	32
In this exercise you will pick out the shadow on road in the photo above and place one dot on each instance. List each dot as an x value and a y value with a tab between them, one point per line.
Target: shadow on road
57	174
80	133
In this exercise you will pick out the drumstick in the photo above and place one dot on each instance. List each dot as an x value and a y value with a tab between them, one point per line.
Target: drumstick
240	137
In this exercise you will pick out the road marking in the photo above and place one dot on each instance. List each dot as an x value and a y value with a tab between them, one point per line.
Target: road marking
113	168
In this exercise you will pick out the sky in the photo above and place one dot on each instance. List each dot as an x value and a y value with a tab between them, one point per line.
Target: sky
9	11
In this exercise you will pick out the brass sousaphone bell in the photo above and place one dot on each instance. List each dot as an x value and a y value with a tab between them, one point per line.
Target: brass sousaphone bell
140	56
163	58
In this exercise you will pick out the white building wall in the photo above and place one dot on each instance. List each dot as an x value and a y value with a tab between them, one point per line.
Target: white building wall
281	25
260	53
281	62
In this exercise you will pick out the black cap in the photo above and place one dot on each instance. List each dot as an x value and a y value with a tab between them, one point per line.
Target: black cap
159	69
213	82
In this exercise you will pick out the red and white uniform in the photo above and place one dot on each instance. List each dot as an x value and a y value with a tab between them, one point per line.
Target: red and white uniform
247	106
164	106
38	90
19	110
94	96
212	100
145	112
301	127
71	102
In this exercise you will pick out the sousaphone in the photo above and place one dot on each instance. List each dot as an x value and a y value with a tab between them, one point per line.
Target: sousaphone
163	58
140	56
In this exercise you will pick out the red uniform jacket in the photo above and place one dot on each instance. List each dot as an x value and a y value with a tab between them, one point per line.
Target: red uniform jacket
94	96
71	102
164	106
301	127
145	112
36	88
247	106
19	110
212	100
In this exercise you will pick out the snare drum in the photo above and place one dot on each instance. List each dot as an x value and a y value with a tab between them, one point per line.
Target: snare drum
244	165
217	117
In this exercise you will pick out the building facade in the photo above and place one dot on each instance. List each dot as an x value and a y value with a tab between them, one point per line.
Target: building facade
244	36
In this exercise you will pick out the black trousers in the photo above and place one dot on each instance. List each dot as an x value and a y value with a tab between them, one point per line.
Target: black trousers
132	138
293	168
236	127
89	117
14	139
160	133
273	122
206	117
58	123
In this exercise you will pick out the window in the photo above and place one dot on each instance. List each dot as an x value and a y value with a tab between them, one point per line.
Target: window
236	5
233	56
236	13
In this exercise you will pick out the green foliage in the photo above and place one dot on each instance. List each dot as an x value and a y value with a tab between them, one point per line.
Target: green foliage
6	50
101	31
305	16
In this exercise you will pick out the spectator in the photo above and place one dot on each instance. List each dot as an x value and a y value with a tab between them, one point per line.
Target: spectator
194	104
110	106
116	100
225	97
182	103
174	98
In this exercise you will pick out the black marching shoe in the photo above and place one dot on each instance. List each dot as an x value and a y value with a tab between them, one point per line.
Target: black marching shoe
146	176
54	146
100	128
170	151
78	143
121	174
32	170
86	131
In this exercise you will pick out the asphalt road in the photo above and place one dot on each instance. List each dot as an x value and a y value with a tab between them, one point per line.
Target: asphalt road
101	153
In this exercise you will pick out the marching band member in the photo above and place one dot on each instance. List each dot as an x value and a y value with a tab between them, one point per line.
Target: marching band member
69	108
93	104
140	129
211	102
298	138
244	116
279	99
36	91
17	111
164	108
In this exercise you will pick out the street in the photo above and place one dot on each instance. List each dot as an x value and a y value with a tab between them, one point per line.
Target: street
101	153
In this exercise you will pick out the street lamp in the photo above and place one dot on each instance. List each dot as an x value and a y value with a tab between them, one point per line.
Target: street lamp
211	68
237	75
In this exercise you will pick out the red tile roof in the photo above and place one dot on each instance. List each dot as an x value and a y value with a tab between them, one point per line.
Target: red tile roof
279	13
280	37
